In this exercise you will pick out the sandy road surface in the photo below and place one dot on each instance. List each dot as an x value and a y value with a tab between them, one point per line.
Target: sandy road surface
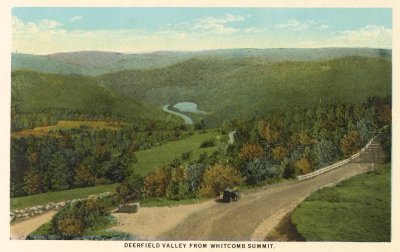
250	218
21	230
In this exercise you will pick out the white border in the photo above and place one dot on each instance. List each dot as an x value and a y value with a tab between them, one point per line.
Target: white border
5	70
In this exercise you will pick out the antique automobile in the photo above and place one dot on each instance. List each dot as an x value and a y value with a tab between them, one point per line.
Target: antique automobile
230	194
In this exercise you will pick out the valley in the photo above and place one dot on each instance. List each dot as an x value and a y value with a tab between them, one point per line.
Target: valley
174	127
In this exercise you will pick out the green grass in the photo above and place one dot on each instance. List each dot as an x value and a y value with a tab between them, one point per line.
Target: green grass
43	198
148	160
358	209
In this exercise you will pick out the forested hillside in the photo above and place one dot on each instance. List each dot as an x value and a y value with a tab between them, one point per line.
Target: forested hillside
43	99
231	88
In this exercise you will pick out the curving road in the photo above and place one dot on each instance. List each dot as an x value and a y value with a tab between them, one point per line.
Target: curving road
258	211
186	118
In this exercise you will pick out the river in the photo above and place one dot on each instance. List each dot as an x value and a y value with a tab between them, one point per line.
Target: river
187	119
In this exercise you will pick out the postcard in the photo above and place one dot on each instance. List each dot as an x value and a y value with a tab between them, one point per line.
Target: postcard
227	126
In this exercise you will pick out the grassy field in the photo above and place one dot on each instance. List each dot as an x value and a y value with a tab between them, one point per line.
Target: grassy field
43	198
357	209
41	131
148	160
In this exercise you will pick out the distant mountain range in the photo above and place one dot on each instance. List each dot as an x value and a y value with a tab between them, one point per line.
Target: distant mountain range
95	63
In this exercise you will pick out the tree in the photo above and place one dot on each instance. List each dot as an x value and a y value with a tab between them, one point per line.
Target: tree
267	133
219	177
57	176
178	186
32	182
302	166
155	184
84	176
327	151
251	151
194	173
351	143
279	153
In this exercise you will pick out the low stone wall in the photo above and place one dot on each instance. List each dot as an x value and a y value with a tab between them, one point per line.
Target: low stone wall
30	212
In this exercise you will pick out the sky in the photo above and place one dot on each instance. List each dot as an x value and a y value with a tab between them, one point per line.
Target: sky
48	30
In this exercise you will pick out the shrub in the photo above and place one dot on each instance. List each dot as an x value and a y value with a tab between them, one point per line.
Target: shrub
178	187
131	188
186	155
207	143
217	178
302	166
259	170
155	184
75	219
194	173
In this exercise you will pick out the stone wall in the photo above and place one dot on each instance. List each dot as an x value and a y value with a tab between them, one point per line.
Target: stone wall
29	212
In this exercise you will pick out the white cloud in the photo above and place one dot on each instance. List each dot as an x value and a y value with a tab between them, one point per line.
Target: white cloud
75	19
255	30
295	25
218	25
369	36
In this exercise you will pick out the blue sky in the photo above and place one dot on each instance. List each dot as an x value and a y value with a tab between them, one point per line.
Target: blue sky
47	30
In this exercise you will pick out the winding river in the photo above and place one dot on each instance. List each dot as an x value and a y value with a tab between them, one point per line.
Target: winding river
187	119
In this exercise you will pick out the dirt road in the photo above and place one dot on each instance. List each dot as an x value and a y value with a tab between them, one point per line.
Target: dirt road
21	230
250	218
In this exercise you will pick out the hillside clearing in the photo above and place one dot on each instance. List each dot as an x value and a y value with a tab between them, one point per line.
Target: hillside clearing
150	159
41	131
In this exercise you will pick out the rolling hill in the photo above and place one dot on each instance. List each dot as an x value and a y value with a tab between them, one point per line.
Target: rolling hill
34	92
95	63
228	83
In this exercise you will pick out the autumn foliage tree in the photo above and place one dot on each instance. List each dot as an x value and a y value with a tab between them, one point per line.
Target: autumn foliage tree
279	153
302	166
156	183
267	133
351	143
251	151
217	178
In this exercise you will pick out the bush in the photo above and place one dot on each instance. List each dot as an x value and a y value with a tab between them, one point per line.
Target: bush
76	219
131	188
155	184
186	155
178	187
217	178
207	143
194	173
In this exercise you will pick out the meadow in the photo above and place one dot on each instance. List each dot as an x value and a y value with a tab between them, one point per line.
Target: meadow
357	210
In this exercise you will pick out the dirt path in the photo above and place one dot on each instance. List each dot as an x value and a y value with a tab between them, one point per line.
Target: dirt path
250	218
21	230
